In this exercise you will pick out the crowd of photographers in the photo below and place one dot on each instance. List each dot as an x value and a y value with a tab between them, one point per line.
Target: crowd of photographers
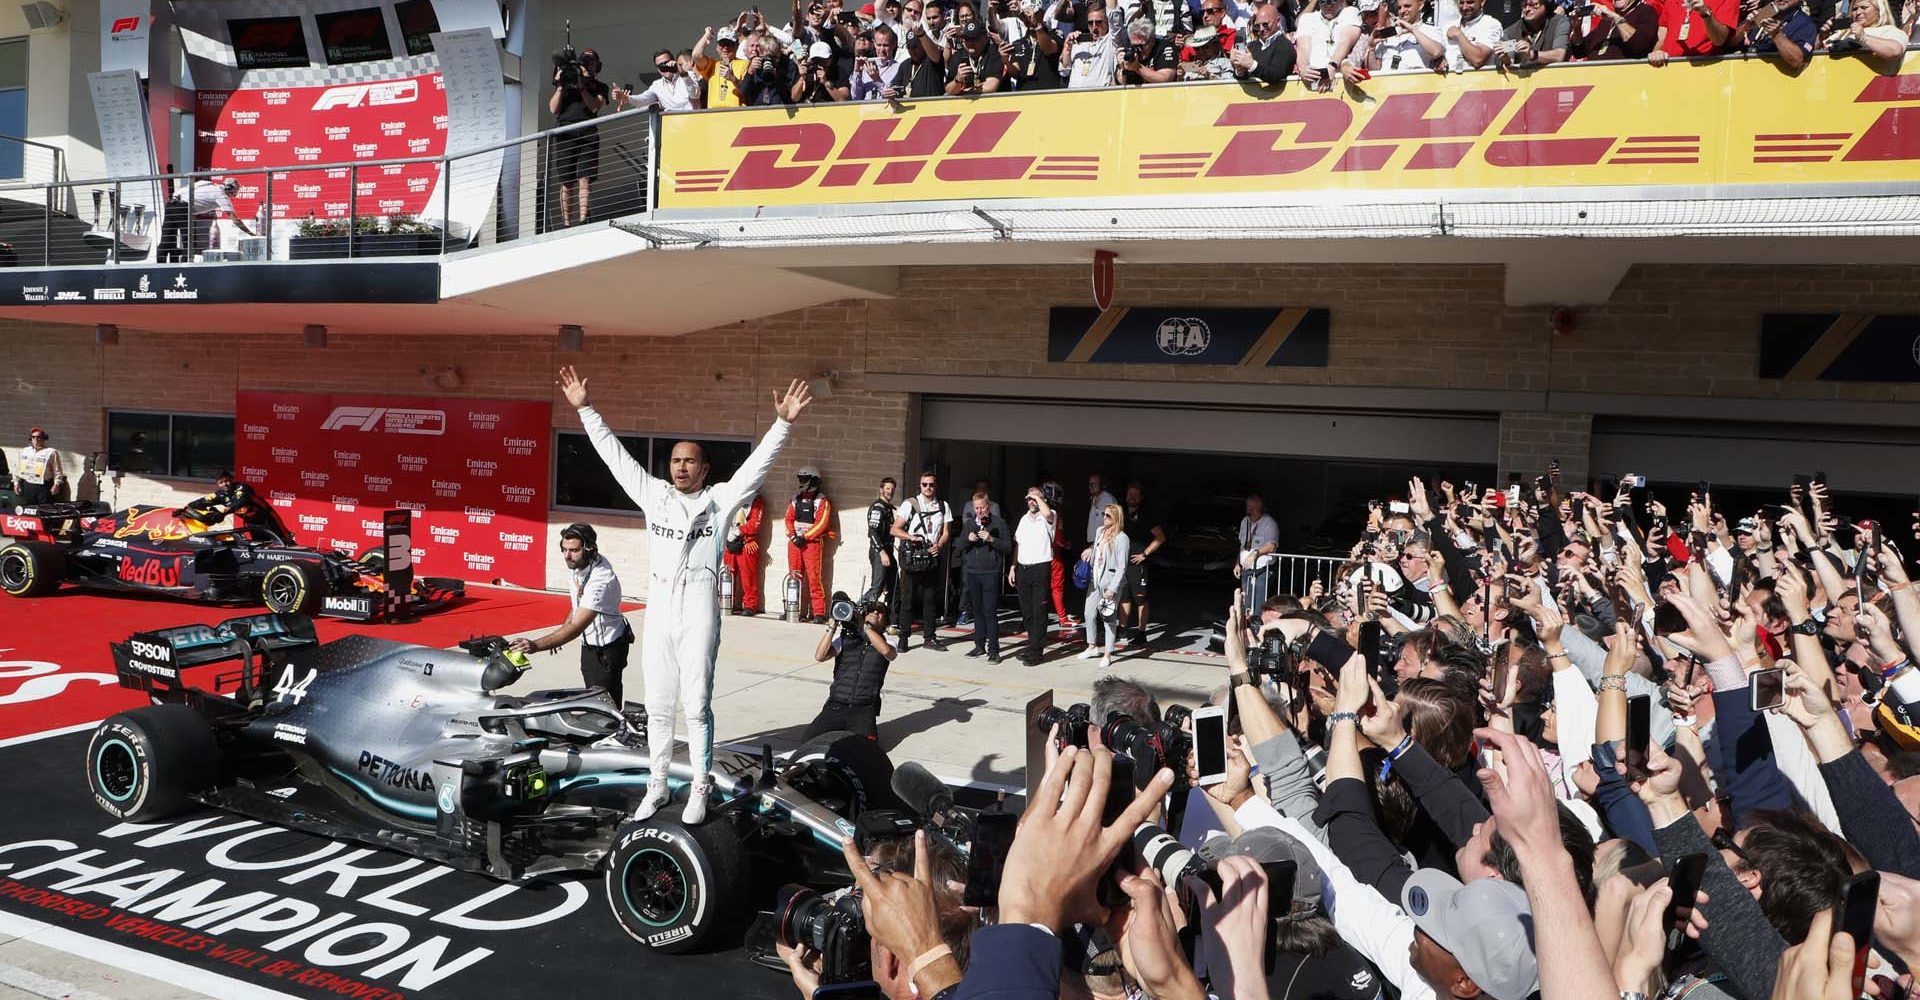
1526	742
906	49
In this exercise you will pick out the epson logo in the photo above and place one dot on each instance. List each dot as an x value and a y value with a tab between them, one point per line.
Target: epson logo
151	650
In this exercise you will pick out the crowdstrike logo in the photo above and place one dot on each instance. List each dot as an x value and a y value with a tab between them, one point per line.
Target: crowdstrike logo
393	420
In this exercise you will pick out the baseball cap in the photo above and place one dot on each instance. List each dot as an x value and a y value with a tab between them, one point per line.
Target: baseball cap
973	30
725	36
1265	844
37	431
1369	6
1205	34
820	50
866	10
1745	527
1487	926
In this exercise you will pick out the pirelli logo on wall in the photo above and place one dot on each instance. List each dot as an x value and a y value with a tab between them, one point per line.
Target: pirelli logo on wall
1143	335
1840	347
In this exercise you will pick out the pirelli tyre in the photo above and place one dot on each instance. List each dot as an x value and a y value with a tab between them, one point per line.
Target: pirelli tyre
293	589
143	764
674	887
31	569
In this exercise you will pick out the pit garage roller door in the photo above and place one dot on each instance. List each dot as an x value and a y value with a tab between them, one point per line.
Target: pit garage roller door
1439	438
1865	459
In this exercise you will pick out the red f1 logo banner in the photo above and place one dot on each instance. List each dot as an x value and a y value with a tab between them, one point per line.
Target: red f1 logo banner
473	472
291	126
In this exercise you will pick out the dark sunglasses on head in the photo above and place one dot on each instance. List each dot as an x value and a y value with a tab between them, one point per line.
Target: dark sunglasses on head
1724	841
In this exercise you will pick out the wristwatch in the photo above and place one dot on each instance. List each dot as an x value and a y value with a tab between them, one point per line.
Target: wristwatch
1807	627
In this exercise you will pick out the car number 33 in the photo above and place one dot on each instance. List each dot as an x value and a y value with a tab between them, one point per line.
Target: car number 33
292	686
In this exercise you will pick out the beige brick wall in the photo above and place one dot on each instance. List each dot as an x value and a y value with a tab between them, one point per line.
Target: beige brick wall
1679	330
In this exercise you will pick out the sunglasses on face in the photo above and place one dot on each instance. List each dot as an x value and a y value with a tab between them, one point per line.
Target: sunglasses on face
1091	23
928	486
663	67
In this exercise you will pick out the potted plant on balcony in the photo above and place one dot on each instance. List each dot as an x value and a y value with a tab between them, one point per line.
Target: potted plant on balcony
398	236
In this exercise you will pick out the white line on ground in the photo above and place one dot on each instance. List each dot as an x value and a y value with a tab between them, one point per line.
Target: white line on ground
32	982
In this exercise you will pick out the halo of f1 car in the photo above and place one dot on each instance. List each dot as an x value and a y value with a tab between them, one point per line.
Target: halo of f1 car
181	552
412	749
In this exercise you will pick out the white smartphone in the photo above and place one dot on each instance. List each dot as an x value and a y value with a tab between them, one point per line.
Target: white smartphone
1210	744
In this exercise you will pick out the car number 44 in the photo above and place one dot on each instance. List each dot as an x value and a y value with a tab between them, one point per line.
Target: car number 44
292	686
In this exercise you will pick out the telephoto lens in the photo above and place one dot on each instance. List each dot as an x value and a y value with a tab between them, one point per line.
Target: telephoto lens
831	925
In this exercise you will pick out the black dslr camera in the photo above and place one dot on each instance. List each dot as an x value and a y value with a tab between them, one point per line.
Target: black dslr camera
1150	745
831	925
851	615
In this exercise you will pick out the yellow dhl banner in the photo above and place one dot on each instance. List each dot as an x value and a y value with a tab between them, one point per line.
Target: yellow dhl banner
1733	121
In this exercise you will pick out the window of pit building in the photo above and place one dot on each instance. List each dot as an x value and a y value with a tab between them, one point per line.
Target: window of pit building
13	111
581	481
170	445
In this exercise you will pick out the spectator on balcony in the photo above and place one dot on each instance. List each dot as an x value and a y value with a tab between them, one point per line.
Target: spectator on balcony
1148	59
975	67
1203	57
771	77
725	74
1092	58
1471	40
1325	39
1790	35
1684	30
673	91
1410	43
1213	14
1873	32
816	84
1626	30
1167	18
938	34
1539	37
1268	56
1035	56
877	77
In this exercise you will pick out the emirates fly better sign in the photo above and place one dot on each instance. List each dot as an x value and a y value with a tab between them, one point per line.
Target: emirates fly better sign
473	471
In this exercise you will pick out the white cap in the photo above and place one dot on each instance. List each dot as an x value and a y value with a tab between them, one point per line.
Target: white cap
820	50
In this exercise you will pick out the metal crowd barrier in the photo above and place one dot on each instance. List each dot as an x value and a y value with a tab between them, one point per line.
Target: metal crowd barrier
479	197
1294	572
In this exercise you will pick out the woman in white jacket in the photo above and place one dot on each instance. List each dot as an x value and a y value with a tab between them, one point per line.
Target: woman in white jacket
1108	556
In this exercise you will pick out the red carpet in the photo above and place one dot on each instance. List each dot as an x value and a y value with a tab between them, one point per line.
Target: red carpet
56	670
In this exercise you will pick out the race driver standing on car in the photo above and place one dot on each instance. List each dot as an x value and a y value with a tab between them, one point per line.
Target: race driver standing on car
686	520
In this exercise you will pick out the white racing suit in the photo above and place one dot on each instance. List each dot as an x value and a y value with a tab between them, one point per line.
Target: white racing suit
682	634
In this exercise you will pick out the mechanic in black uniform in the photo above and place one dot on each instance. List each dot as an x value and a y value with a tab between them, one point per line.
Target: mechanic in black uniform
860	658
1144	537
232	497
880	545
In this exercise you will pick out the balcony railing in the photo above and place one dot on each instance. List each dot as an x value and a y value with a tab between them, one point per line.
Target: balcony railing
477	197
1618	143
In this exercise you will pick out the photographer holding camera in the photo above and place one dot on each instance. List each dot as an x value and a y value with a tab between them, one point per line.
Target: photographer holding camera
577	97
858	646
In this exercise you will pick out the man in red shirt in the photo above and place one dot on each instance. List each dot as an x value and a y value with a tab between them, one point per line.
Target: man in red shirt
1683	28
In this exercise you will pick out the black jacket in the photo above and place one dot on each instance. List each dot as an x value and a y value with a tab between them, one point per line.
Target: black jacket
988	556
1273	62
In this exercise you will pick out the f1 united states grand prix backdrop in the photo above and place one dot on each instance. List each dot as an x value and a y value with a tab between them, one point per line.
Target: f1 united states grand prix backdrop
473	471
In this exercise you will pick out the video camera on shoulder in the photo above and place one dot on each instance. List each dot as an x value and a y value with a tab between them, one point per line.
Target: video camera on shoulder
567	61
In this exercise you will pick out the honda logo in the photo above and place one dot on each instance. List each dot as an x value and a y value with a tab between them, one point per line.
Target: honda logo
393	420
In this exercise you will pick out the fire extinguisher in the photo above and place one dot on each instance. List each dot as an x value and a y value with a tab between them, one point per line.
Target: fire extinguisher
728	604
791	594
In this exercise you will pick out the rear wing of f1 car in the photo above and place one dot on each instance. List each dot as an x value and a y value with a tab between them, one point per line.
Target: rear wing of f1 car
48	522
153	661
